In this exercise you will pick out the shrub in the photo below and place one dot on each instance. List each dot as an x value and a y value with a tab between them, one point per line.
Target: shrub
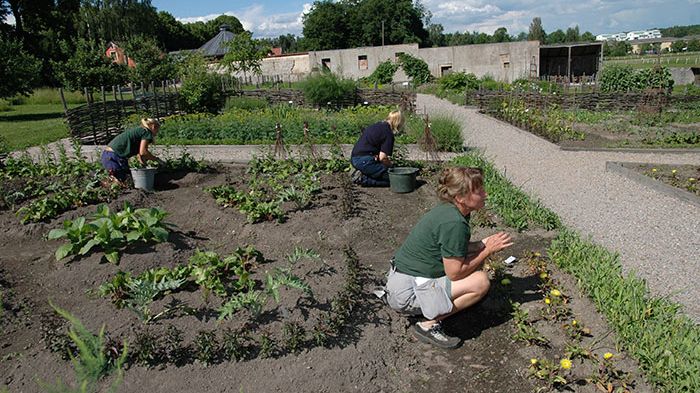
326	87
245	103
487	82
625	78
200	91
415	68
459	81
447	133
384	73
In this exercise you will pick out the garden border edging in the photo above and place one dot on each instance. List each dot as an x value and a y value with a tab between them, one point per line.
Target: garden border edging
619	167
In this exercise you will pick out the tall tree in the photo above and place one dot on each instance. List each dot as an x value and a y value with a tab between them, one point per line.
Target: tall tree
435	35
536	31
245	54
402	19
173	35
327	25
152	65
587	37
572	34
116	20
556	37
89	67
501	35
18	68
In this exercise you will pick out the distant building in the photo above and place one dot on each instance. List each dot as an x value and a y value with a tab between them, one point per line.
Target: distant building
630	36
215	47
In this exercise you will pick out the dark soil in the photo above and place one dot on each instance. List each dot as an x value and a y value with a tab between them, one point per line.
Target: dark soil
373	353
683	177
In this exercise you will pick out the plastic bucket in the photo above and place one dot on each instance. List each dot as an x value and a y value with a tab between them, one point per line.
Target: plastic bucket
144	178
402	179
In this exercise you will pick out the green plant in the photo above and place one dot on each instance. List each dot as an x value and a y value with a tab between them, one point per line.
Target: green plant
416	69
268	345
245	103
546	370
524	331
327	89
251	300
206	347
91	364
200	90
294	336
283	277
384	73
300	253
233	345
136	163
147	348
173	351
459	81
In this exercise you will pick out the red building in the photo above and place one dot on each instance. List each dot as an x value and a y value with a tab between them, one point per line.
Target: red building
116	53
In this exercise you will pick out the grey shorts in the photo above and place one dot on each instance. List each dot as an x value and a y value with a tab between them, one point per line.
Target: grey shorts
430	297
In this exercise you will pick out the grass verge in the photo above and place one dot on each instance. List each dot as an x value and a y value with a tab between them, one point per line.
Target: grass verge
31	125
652	330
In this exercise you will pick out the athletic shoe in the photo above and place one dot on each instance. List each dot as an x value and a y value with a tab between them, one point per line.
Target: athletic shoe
357	177
435	336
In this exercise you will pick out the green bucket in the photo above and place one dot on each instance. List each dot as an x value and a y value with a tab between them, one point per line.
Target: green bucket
402	179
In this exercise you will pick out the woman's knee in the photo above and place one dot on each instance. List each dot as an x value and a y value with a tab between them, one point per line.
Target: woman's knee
477	283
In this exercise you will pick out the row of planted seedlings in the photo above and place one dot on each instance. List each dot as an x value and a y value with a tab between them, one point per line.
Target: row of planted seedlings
231	287
42	189
551	123
574	357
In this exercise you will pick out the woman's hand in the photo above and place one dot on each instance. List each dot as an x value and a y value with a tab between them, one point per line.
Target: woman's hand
497	242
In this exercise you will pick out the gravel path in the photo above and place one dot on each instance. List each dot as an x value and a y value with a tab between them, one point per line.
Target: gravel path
657	236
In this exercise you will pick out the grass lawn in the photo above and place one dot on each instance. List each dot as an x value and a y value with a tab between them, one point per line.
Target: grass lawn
31	125
670	60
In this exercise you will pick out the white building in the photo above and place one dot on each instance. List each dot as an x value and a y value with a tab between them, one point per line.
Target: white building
630	36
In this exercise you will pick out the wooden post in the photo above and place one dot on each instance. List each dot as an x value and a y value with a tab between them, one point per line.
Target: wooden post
92	119
118	105
133	96
144	100
165	99
63	101
155	98
104	111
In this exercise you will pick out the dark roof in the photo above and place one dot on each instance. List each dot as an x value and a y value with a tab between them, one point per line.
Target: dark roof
215	46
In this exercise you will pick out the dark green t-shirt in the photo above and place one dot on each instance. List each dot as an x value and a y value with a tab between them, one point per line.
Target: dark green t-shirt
127	143
442	232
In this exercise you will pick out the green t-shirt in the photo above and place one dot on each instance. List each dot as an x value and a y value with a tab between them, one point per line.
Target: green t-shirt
127	143
442	232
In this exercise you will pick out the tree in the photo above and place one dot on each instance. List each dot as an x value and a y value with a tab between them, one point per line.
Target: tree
536	31
435	35
501	35
572	34
616	48
587	37
245	54
678	46
200	90
19	69
403	22
326	26
173	35
89	67
116	20
152	65
693	45
556	37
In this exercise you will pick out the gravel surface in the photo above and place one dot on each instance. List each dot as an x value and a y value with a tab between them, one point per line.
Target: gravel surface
657	236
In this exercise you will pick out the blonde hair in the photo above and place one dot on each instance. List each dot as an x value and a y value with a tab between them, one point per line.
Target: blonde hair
150	124
395	120
455	181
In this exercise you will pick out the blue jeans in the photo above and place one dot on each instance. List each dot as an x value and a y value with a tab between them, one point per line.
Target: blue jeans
115	165
374	173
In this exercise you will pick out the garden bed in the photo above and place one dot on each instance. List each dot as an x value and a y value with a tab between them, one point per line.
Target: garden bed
678	181
353	231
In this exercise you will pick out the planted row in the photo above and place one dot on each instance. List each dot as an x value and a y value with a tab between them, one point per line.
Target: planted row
111	232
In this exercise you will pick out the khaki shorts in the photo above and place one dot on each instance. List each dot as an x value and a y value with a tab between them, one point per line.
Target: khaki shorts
431	297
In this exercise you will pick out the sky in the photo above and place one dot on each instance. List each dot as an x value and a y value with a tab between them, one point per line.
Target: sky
271	18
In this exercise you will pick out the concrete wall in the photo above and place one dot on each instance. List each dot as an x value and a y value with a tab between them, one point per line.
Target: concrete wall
504	61
682	76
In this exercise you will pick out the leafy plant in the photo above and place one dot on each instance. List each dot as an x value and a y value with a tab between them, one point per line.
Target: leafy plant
147	348
283	277
416	69
327	89
384	73
294	336
300	253
233	345
206	346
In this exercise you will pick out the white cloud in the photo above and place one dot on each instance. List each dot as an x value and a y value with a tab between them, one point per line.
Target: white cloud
260	22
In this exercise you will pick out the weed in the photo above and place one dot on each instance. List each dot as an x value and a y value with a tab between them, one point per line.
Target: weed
548	371
524	331
173	350
301	253
147	348
206	347
268	345
294	336
233	345
55	338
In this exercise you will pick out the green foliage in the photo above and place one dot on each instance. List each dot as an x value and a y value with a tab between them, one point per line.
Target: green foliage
206	346
152	65
92	363
88	67
554	125
651	329
19	69
384	73
327	89
458	81
515	207
245	54
625	78
200	90
446	132
111	231
415	68
245	103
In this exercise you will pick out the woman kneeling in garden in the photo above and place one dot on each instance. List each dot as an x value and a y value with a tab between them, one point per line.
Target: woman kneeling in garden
371	154
132	142
435	271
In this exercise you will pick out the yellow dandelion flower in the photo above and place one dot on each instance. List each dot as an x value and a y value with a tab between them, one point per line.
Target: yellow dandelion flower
555	293
674	171
533	361
543	275
607	356
537	254
692	179
653	169
574	323
547	301
565	364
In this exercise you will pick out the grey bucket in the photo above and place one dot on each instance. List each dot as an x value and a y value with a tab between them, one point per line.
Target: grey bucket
402	179
144	178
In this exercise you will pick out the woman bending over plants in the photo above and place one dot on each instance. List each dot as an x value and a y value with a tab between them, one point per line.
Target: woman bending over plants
436	271
371	154
132	142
